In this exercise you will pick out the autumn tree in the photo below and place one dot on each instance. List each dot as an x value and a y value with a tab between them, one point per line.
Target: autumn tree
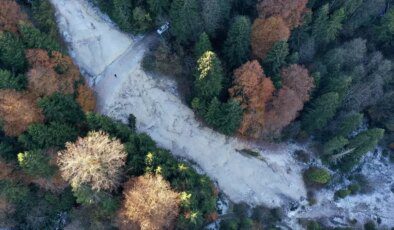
237	45
252	90
95	160
10	16
297	78
265	33
17	111
290	10
149	203
282	111
86	98
50	74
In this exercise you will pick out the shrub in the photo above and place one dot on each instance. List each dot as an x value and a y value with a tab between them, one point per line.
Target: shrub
354	188
150	203
370	225
95	160
342	193
317	176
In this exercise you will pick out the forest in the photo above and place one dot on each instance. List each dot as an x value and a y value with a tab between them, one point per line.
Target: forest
312	71
62	163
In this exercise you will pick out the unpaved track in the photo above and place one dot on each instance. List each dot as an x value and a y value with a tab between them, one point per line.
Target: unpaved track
101	51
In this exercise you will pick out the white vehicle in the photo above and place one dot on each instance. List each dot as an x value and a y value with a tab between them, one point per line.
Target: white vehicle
163	28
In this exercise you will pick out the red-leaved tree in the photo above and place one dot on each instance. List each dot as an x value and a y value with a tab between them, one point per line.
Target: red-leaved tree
252	89
265	33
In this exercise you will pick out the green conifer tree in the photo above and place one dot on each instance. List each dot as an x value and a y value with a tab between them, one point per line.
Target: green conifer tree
237	45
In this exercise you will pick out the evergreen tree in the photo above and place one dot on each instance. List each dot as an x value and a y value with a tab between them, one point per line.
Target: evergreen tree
44	17
335	144
215	13
158	7
385	30
61	108
322	109
232	117
8	81
117	129
12	53
202	45
350	123
214	113
122	14
363	143
186	21
142	21
35	163
33	38
209	76
326	27
334	25
40	136
277	56
237	45
320	22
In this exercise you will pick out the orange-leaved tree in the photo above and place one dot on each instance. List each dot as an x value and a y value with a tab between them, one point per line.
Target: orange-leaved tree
149	204
290	10
266	32
86	98
49	74
17	111
252	89
10	16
